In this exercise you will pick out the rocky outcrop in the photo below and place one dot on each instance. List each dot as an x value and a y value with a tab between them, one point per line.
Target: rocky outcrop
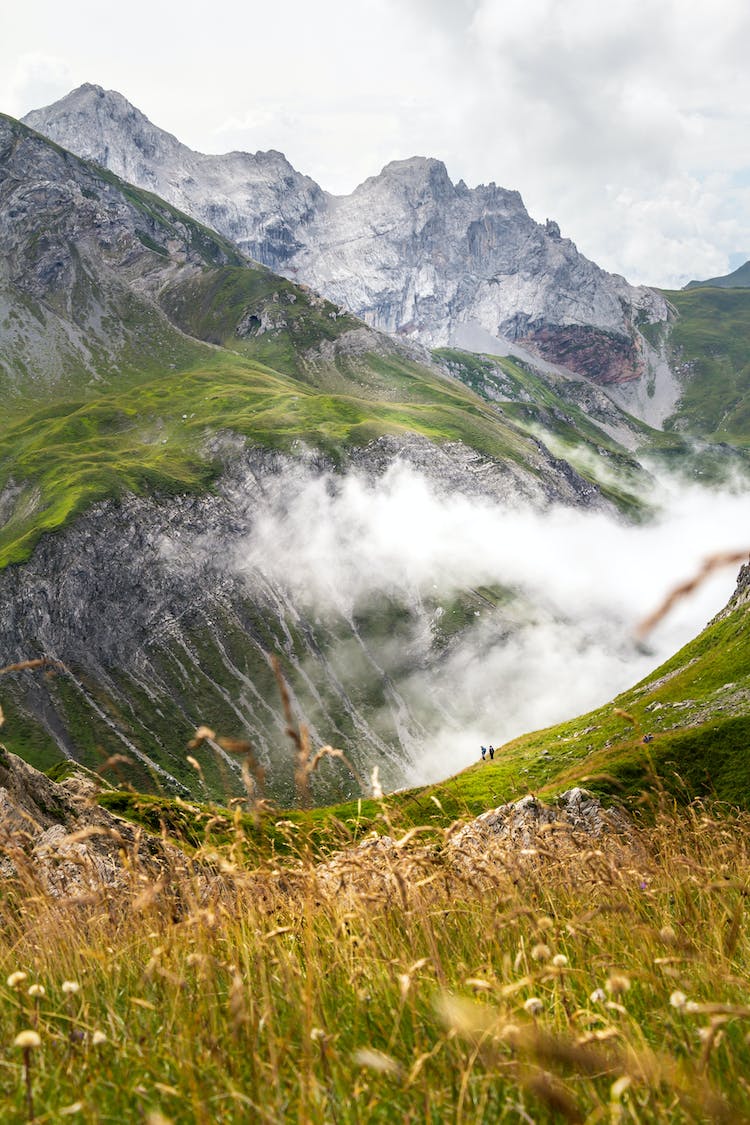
528	823
55	838
409	251
575	830
604	357
741	595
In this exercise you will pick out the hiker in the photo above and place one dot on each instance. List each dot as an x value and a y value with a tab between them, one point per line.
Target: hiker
648	738
484	751
492	751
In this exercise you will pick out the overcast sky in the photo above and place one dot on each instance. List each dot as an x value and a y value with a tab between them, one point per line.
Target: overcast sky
626	122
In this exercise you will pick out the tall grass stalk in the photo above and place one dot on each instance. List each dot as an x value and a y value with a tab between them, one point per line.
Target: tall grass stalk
399	981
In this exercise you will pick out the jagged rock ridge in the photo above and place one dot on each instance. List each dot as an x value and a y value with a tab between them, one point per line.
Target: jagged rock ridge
408	250
55	837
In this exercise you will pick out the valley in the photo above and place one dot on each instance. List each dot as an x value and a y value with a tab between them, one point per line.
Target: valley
304	498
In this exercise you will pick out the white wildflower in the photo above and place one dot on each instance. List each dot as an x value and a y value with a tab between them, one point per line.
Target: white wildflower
27	1039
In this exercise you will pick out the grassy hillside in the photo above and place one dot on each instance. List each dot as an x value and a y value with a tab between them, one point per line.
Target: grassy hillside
709	344
546	408
695	708
738	279
150	432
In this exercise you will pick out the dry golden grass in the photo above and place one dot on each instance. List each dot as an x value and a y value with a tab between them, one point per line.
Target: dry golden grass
567	982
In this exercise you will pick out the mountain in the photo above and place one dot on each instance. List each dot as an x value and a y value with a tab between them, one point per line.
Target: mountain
706	348
739	279
165	401
408	251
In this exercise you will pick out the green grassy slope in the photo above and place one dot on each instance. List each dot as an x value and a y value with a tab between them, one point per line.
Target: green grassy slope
738	279
709	344
545	408
149	433
696	707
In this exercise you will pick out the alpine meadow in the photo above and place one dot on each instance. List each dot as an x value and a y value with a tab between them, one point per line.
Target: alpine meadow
375	566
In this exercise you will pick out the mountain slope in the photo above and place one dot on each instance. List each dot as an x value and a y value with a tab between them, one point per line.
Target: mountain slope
408	250
738	279
707	345
203	394
694	711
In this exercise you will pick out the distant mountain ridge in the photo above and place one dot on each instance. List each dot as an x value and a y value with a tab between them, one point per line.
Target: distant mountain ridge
738	279
408	251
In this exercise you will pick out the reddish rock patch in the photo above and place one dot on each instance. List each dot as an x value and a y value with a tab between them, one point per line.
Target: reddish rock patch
603	357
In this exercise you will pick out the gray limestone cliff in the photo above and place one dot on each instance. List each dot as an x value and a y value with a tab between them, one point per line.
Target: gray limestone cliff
409	251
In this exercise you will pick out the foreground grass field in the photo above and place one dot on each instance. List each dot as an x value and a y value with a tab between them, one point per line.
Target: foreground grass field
574	981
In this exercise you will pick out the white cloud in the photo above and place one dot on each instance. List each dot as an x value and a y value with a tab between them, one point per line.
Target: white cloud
630	110
35	80
339	547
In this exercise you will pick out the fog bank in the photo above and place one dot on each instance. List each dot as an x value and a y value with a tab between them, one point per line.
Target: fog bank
554	636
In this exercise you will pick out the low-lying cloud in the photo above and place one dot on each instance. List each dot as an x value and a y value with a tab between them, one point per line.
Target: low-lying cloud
562	642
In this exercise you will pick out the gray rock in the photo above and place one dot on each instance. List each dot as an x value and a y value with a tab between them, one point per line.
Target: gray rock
408	251
528	822
55	838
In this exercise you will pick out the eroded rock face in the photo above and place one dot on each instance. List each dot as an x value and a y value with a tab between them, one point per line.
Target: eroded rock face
54	836
409	251
604	357
163	624
741	595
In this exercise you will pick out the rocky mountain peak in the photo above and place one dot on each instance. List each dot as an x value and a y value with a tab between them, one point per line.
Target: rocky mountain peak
408	251
103	126
418	178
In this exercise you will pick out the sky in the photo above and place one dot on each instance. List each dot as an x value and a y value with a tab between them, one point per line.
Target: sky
626	122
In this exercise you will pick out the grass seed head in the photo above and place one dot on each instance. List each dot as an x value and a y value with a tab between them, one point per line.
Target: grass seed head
27	1039
376	1060
541	952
